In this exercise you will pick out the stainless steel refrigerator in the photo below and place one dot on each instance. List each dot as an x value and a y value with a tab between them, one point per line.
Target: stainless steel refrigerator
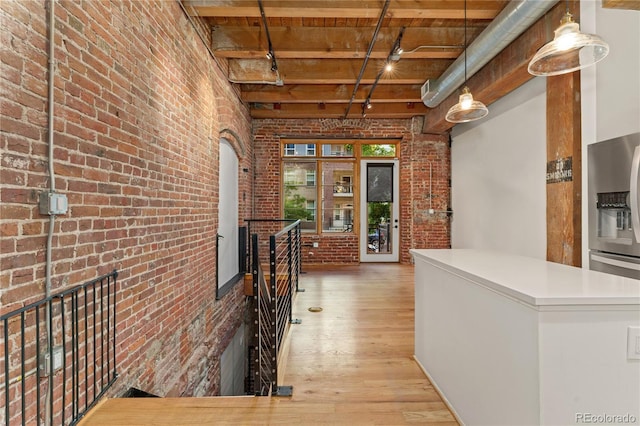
614	206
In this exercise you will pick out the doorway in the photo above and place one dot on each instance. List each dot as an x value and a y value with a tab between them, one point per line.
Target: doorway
379	210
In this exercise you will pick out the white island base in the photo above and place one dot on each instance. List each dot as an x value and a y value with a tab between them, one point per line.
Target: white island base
510	340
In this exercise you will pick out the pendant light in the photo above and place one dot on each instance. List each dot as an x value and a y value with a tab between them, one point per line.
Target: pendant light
467	109
570	50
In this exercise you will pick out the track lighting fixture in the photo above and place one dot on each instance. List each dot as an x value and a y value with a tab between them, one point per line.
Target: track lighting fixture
397	52
270	54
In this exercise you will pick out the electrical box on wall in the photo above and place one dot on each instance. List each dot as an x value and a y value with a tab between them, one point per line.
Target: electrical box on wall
52	203
45	361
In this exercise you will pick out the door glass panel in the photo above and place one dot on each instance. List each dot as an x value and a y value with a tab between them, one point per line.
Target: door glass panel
300	194
337	196
379	203
380	183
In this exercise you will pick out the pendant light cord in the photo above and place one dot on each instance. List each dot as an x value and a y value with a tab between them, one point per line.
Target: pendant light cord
465	42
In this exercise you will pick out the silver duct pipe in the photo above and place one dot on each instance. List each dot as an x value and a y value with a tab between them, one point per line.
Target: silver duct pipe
515	18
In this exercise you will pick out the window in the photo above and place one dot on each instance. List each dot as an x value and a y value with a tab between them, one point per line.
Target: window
319	184
378	150
337	150
300	193
311	209
311	178
337	197
300	150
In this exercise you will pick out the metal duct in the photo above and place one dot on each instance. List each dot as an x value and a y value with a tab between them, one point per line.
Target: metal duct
514	19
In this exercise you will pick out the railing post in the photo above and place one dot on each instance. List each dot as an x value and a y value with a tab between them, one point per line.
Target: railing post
274	312
289	272
256	313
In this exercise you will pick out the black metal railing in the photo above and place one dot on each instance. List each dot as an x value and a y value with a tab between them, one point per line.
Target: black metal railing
273	301
58	355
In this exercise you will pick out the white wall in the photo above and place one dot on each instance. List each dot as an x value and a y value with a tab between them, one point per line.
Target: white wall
498	176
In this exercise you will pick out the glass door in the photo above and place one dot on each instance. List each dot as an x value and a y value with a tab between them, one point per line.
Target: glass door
379	211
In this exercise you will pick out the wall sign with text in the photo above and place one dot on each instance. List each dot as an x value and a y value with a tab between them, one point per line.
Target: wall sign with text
560	170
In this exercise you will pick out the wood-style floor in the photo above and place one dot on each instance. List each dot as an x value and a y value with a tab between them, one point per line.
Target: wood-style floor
351	364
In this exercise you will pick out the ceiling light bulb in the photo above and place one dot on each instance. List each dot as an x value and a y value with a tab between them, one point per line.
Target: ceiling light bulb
269	56
570	50
388	67
566	41
368	104
466	109
466	100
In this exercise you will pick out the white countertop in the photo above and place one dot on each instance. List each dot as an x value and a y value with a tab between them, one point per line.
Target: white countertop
534	281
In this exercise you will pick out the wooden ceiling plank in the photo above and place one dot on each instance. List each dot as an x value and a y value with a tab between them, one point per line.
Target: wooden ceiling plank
318	54
398	110
334	71
621	4
328	93
339	42
367	9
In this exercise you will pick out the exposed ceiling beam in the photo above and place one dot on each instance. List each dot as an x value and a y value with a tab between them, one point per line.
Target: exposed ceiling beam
621	4
396	110
506	72
333	71
346	43
329	93
417	9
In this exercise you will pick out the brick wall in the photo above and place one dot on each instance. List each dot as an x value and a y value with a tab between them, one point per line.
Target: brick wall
139	110
140	107
421	155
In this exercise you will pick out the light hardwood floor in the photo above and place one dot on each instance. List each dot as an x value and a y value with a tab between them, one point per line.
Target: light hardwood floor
351	364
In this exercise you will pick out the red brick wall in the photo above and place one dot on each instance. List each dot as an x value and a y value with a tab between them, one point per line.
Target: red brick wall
418	154
140	107
139	110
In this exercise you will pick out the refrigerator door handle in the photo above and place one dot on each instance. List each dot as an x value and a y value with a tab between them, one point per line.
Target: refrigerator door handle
635	204
615	262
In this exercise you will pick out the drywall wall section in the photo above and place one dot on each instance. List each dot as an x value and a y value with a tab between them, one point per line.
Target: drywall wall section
498	176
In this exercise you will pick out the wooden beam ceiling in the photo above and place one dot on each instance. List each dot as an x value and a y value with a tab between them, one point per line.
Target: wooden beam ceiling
321	46
344	9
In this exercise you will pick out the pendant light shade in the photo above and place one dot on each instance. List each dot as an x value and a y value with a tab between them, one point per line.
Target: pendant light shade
466	109
570	50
